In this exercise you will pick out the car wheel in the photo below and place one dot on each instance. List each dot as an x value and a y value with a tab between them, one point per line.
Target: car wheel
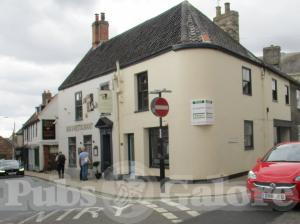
286	207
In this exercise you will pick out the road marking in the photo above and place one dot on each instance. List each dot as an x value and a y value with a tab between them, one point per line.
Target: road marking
169	215
94	211
193	213
177	221
164	212
152	206
174	204
180	207
64	215
119	210
160	210
40	216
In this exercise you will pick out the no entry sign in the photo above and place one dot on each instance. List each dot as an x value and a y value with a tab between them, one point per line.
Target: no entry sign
160	107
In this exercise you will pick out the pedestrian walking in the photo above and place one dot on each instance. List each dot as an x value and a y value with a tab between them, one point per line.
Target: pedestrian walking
79	162
60	163
84	164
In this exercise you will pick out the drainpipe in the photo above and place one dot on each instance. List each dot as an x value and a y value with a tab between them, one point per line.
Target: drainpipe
116	94
265	109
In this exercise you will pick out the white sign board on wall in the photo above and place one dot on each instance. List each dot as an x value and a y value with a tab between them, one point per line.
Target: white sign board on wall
105	102
202	112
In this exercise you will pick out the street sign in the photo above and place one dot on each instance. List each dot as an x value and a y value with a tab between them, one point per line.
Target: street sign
160	107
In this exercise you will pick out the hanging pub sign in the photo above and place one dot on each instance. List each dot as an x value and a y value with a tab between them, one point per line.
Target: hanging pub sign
105	101
202	112
89	101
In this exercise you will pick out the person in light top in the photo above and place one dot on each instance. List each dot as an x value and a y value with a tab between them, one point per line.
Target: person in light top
84	164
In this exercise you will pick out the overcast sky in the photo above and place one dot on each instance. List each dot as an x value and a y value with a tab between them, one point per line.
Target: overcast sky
41	41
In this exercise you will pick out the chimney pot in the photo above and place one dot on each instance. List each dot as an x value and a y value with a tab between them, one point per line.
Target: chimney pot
96	17
100	32
229	21
46	97
218	10
102	16
227	7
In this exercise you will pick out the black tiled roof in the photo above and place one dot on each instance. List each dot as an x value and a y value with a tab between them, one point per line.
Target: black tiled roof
33	119
180	24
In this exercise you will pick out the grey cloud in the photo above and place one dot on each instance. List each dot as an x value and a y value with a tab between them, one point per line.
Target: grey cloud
44	31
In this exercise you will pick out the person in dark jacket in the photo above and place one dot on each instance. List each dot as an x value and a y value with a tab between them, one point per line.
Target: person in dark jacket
60	161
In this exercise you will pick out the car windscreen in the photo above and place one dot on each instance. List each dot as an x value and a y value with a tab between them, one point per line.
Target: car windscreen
284	153
9	163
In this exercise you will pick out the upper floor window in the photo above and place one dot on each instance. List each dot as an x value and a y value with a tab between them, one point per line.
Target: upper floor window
248	135
274	90
48	129
298	98
287	95
247	82
25	135
104	86
142	88
78	106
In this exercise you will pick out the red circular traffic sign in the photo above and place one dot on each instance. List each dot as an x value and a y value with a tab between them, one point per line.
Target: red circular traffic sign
160	107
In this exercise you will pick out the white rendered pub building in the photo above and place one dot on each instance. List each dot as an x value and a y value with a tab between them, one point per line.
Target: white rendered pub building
224	103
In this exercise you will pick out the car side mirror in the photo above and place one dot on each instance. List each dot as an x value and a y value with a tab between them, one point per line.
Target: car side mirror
258	160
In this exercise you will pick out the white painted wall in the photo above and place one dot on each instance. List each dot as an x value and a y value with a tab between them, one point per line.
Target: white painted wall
203	152
50	112
66	114
196	152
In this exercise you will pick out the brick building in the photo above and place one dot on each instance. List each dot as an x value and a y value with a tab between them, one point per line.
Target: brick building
6	148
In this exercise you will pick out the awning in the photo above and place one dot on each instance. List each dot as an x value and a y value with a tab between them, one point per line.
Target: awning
104	122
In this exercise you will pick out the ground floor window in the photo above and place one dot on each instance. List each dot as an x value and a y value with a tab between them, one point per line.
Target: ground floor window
248	135
72	152
154	146
37	157
88	145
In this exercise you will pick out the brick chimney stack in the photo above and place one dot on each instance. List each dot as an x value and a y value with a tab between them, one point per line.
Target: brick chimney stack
46	97
272	55
229	21
218	11
227	7
99	30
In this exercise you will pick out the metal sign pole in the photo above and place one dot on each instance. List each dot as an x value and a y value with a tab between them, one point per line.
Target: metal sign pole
162	156
161	145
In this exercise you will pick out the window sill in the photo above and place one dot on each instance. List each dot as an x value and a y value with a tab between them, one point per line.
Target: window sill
275	101
244	94
249	148
157	167
141	111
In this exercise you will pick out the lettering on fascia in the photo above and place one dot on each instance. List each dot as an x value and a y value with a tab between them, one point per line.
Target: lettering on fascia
79	127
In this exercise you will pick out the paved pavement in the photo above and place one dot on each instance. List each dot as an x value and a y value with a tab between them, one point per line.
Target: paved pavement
46	202
141	189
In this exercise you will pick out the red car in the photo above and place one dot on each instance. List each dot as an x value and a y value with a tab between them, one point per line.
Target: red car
276	177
